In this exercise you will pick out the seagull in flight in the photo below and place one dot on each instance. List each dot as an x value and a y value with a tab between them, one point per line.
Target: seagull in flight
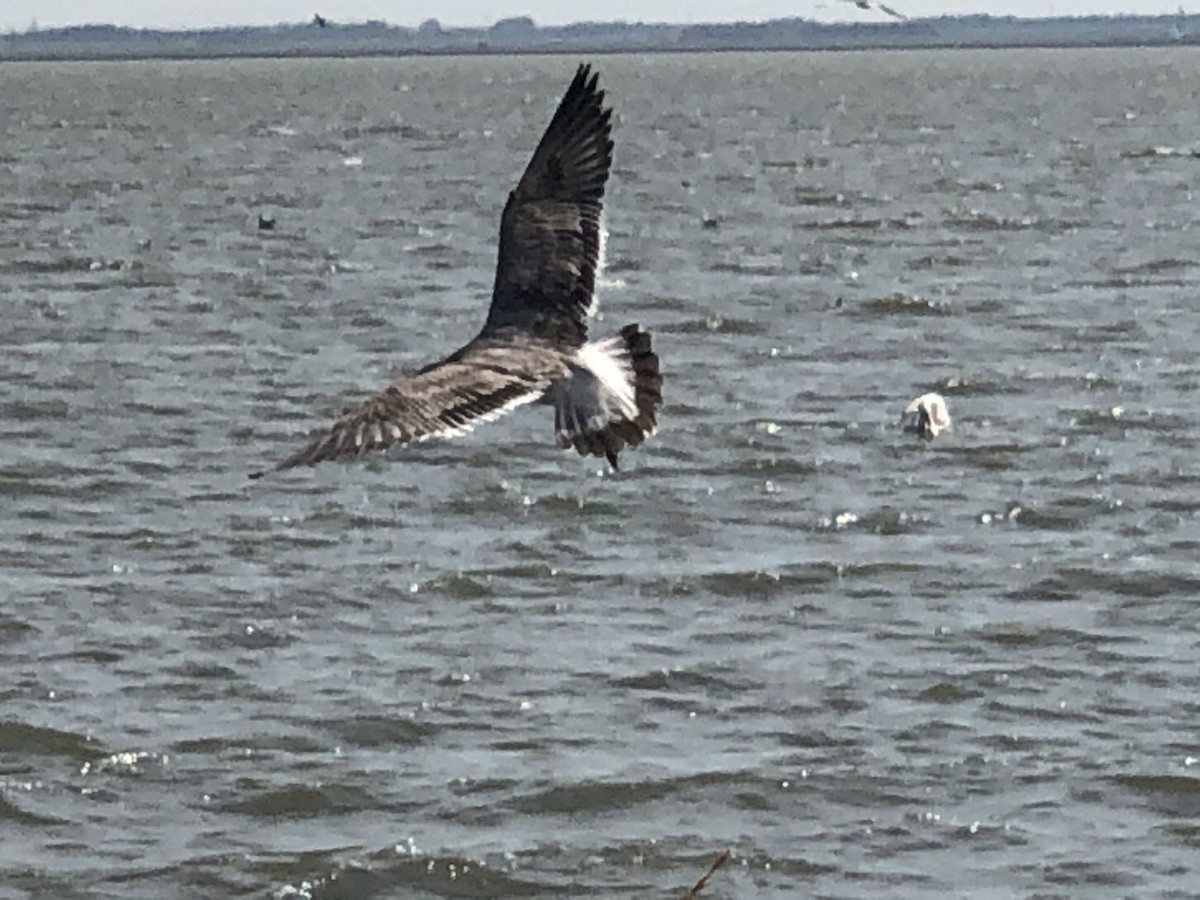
534	344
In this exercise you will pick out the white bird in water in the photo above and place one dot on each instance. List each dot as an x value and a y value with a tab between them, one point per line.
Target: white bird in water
534	344
926	416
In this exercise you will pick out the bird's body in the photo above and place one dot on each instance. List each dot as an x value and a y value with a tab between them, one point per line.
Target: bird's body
926	416
534	344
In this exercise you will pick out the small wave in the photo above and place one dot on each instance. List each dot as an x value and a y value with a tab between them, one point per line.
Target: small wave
1045	590
814	197
129	762
458	587
24	739
523	571
394	129
946	261
785	465
305	801
788	164
763	585
12	629
837	224
281	201
907	304
1119	419
576	505
252	637
586	797
11	812
1085	380
100	655
20	410
972	386
764	270
1084	581
103	187
1174	795
884	521
978	220
947	692
380	731
405	868
1154	266
715	324
192	670
960	187
1016	634
24	211
1160	151
623	264
1124	282
1065	514
47	266
683	680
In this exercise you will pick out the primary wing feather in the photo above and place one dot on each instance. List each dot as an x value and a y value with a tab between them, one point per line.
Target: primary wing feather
550	237
478	383
550	230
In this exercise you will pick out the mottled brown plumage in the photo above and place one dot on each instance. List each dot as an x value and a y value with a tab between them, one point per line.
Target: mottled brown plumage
534	342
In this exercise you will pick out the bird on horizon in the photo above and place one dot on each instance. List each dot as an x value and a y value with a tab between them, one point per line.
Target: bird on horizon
533	345
882	7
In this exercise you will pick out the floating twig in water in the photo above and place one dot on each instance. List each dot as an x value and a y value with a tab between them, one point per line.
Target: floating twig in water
703	882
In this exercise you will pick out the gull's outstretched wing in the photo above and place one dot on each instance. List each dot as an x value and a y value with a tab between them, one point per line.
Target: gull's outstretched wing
480	382
550	233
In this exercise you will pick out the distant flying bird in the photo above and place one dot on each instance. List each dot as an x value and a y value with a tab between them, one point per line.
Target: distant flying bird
533	345
926	416
882	7
265	224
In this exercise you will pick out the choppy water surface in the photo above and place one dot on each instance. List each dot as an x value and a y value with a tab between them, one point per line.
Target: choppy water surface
872	667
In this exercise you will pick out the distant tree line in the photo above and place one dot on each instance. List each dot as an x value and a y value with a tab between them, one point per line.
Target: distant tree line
326	37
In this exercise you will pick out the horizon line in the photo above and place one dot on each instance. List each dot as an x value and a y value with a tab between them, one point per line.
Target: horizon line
38	28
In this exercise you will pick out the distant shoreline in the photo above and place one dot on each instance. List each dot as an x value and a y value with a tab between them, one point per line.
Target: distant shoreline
521	36
583	51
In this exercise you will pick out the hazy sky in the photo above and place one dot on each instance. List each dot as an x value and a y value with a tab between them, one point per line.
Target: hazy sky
19	14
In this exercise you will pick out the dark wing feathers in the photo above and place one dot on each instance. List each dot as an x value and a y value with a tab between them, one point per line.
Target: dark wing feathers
477	384
545	278
550	230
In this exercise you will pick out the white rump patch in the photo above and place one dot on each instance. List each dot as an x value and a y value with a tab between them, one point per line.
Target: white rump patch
609	362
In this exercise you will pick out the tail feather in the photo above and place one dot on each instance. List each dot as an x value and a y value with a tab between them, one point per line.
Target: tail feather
611	400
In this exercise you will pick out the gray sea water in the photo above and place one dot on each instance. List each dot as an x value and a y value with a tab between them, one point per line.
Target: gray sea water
870	666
